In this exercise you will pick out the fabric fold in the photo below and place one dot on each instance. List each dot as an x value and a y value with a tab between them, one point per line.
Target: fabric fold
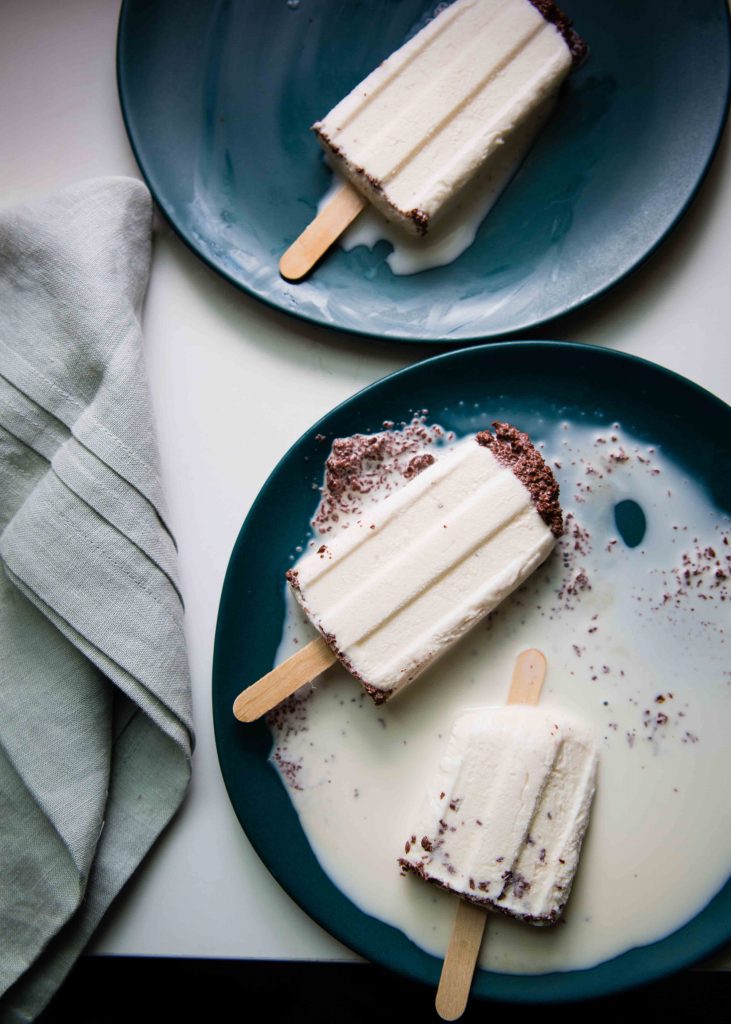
96	724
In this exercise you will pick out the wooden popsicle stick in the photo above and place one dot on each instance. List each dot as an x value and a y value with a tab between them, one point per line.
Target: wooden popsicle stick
282	681
459	963
320	234
528	676
469	923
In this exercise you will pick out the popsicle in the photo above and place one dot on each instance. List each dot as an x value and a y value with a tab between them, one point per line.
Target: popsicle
503	820
417	129
505	815
396	589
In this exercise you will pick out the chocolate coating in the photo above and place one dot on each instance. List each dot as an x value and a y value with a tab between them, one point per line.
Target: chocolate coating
514	449
553	13
483	901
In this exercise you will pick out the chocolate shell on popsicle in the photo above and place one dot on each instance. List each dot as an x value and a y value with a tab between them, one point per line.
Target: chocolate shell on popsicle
400	586
423	124
395	590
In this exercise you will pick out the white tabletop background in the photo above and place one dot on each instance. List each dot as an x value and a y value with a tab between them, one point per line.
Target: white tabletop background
234	384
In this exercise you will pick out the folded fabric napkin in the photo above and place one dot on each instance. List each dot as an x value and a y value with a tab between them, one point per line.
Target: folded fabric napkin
95	717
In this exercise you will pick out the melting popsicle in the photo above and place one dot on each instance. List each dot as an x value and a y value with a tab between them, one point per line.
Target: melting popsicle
416	130
503	820
398	588
504	817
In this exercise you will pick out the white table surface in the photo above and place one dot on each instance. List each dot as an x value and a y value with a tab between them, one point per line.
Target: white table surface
234	383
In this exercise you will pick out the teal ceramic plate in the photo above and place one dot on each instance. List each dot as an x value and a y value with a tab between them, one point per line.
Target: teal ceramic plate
218	98
534	384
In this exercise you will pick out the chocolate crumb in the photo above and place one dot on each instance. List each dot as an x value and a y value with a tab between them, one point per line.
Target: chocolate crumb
553	13
521	886
514	449
417	464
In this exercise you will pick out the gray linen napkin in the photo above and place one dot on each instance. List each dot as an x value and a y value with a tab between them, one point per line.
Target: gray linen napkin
95	717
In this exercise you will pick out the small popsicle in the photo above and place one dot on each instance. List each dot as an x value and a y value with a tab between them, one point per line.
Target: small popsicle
503	819
506	817
395	590
416	130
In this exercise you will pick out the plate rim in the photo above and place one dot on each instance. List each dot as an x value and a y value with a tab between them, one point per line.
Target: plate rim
467	340
603	979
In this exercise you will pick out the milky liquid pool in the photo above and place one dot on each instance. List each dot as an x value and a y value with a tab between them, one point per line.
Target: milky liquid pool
634	622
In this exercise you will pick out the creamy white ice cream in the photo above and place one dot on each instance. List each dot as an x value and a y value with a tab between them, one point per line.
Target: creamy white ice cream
423	123
504	817
409	578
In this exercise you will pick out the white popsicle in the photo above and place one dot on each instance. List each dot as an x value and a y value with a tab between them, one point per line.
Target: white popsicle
504	816
398	588
413	133
436	113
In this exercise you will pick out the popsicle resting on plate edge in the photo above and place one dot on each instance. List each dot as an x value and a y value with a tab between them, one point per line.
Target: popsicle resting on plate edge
503	819
421	126
396	589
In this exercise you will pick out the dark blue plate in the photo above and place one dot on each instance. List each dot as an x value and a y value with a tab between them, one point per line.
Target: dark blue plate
533	384
218	98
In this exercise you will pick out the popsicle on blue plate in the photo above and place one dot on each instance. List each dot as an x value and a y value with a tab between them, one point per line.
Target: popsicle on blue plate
416	130
504	817
399	587
414	574
426	121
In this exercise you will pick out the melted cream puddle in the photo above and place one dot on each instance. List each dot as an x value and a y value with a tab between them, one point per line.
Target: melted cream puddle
634	646
456	231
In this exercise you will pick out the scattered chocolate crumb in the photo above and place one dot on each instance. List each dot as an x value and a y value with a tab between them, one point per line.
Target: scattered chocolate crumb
289	770
521	886
417	464
363	463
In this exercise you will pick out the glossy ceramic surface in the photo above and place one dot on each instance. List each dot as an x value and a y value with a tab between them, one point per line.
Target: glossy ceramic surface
218	98
534	384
